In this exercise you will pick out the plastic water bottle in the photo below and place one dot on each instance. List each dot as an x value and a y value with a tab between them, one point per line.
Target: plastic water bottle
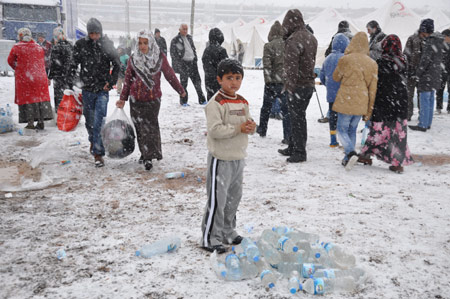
298	236
162	246
238	250
287	245
321	286
309	269
340	257
8	110
271	255
281	243
281	230
61	254
319	255
233	266
356	273
175	175
2	112
268	279
294	283
220	269
250	249
250	268
286	268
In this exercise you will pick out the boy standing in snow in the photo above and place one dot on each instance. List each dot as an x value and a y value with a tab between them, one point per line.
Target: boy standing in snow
229	123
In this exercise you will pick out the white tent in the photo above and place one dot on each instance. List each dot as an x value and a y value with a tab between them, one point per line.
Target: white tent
325	25
394	18
441	21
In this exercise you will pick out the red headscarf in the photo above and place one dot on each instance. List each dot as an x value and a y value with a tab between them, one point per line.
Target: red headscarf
392	51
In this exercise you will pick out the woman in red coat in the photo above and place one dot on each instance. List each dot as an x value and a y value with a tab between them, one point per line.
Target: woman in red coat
143	85
27	60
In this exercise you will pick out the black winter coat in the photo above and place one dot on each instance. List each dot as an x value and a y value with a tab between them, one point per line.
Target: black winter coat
96	60
162	45
391	101
61	62
212	55
177	52
430	66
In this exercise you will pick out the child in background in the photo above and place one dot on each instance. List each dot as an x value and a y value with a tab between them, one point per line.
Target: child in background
229	123
339	44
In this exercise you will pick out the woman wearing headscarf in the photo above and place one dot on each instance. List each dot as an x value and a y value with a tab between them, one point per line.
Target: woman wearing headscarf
142	85
31	93
61	62
388	130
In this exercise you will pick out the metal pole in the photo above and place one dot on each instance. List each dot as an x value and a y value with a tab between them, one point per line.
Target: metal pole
150	15
192	17
127	15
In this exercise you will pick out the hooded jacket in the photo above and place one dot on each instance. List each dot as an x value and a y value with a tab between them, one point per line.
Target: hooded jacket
343	28
61	66
177	49
299	53
358	74
413	52
96	59
212	55
430	66
340	43
273	55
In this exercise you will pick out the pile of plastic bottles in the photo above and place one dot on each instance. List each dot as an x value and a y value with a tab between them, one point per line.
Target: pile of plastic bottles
282	255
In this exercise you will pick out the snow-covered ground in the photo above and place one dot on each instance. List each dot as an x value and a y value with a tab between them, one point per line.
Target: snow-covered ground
398	226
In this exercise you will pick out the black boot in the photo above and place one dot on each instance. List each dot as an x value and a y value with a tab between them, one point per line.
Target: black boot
148	164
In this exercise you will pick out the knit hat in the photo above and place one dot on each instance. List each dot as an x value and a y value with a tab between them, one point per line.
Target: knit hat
94	25
343	25
24	34
58	34
157	30
426	26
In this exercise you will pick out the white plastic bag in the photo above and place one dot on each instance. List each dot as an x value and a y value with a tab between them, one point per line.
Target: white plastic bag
118	135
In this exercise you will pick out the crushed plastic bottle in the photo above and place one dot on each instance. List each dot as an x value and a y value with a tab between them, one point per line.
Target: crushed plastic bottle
233	266
281	230
356	273
175	175
341	258
270	254
250	249
268	279
298	236
281	243
308	269
321	286
61	254
294	284
166	245
238	250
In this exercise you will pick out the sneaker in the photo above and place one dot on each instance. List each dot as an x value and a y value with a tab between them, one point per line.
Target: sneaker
417	128
323	120
218	248
352	159
364	160
237	240
148	164
285	152
397	169
99	161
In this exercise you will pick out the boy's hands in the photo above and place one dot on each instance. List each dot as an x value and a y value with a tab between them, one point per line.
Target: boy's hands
248	127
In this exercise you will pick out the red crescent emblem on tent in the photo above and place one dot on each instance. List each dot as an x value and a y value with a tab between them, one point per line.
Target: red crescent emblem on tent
402	7
262	21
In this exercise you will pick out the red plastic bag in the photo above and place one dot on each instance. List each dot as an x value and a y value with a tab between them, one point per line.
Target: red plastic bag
69	111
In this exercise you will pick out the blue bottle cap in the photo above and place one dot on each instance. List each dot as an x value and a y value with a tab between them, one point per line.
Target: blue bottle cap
295	249
182	174
138	253
317	255
256	259
293	290
271	285
300	287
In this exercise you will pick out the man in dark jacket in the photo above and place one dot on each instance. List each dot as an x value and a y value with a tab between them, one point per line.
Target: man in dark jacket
445	76
61	65
273	63
212	55
96	55
161	41
344	28
376	37
428	73
299	61
413	51
184	62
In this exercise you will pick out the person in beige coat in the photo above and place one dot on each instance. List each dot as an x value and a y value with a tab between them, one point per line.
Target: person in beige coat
358	74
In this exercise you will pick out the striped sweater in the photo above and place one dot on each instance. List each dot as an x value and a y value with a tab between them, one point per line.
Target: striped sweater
224	116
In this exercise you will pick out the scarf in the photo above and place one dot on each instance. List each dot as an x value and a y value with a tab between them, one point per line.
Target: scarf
392	51
147	65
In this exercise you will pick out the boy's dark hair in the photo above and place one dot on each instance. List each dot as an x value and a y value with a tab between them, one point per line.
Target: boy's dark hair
446	32
228	65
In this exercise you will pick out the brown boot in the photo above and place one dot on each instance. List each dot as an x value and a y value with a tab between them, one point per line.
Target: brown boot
365	160
99	161
397	169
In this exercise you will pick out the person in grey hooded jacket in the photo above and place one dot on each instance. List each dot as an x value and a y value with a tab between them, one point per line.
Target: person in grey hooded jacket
428	73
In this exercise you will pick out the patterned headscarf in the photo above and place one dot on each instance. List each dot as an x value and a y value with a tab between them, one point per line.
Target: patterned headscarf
392	50
147	65
24	34
58	34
